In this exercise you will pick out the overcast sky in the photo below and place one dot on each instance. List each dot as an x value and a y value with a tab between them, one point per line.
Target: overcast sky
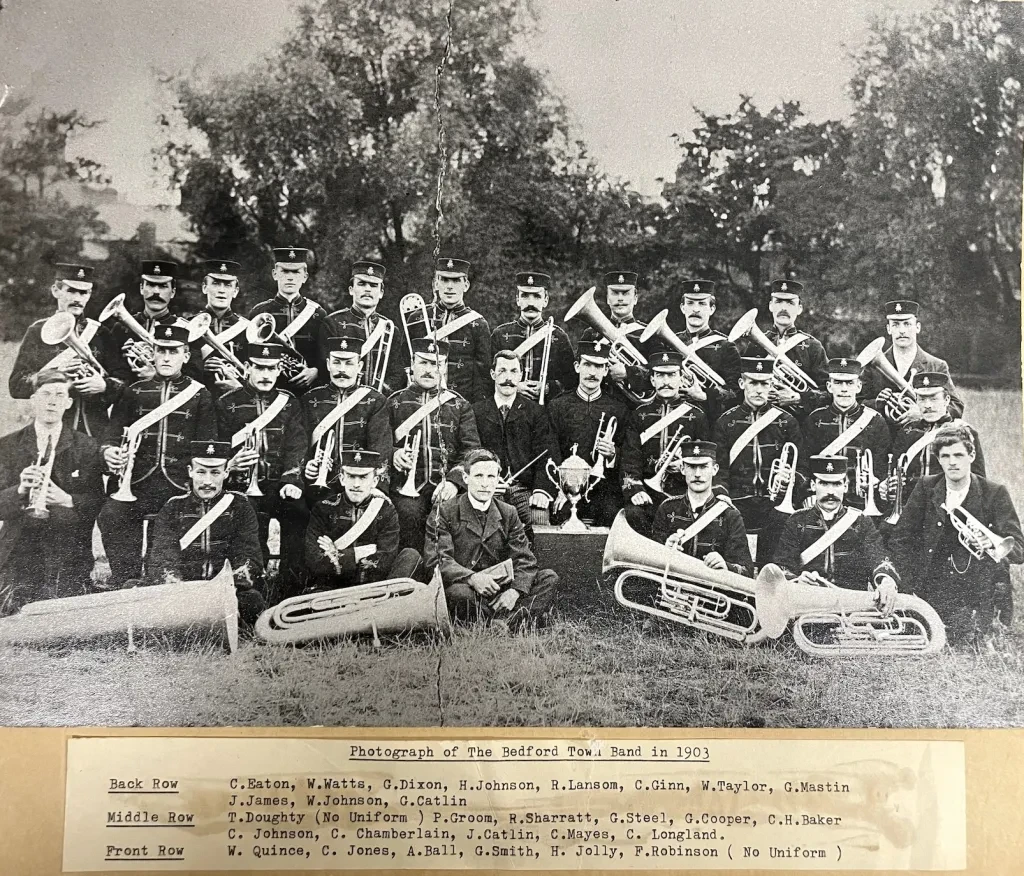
629	70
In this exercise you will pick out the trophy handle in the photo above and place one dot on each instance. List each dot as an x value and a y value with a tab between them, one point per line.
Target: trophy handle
550	467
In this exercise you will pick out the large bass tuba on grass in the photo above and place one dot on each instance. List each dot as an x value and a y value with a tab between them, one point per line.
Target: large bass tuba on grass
396	606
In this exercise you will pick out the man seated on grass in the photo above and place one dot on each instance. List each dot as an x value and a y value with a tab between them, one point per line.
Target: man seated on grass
195	533
468	535
352	537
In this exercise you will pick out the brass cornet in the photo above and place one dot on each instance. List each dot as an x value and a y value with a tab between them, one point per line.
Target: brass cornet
409	488
866	482
60	329
140	352
130	445
785	372
668	456
607	432
36	508
783	465
872	355
252	442
977	538
324	456
901	479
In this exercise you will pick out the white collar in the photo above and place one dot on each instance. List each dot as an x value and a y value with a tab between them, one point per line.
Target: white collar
499	402
585	397
41	434
478	505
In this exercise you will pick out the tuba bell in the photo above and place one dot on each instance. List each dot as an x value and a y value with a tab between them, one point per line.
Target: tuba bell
60	329
398	605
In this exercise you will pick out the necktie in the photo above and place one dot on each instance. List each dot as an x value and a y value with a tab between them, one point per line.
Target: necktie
504	412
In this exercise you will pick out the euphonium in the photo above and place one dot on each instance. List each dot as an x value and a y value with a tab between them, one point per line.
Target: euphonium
785	371
835	621
693	365
262	329
901	479
380	339
140	353
409	488
606	431
689	593
545	361
668	456
395	606
977	538
130	445
324	455
785	462
866	481
36	508
60	329
872	355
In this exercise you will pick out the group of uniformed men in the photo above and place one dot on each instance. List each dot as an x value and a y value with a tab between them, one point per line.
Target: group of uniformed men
436	457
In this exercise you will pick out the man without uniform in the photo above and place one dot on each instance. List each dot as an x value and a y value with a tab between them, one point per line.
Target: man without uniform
440	424
831	542
266	430
527	336
750	437
43	557
591	424
466	332
698	303
196	533
164	414
903	325
353	535
220	288
361	320
516	430
652	431
299	320
848	428
700	524
91	392
476	531
960	586
342	416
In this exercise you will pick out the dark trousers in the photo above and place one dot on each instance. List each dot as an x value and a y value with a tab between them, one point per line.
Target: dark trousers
406	565
466	604
761	519
641	517
46	561
604	503
120	525
412	517
965	600
293	517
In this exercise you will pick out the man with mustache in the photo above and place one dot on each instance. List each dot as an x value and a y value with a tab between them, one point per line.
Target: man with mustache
698	302
196	533
526	336
43	558
353	536
362	320
441	425
342	416
591	424
750	437
266	429
516	430
650	429
91	392
299	320
903	325
220	288
847	428
165	413
629	383
464	331
700	524
830	542
961	587
469	536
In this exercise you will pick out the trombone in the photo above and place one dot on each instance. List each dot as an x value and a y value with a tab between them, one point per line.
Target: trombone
36	508
666	458
607	432
409	488
60	329
897	406
866	482
784	370
379	341
977	538
693	365
138	352
262	329
783	466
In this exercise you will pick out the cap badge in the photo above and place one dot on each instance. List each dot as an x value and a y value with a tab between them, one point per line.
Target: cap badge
529	280
830	467
784	287
291	253
343	345
209	448
599	343
156	269
167	333
369	270
431	347
664	357
842	363
223	268
266	351
899	307
696	287
622	279
451	264
359	457
81	272
926	381
760	366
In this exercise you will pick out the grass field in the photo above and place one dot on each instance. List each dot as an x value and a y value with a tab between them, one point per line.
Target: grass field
600	666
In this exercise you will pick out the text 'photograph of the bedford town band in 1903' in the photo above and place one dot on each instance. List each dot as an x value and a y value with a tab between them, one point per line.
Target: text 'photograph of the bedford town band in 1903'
511	363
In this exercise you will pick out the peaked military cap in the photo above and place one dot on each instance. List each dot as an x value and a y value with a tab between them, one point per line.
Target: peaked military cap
222	269
155	271
665	360
428	348
346	344
368	269
927	380
845	366
265	353
170	335
75	276
902	308
829	467
448	267
787	287
696	288
291	255
210	451
533	280
758	366
366	459
598	349
621	278
698	451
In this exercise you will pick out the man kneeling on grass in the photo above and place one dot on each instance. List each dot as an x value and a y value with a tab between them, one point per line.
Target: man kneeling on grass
195	533
472	534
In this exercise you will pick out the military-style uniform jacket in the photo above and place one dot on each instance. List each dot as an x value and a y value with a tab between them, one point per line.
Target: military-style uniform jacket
524	433
575	420
824	425
233	536
925	462
42	554
333	517
282	443
164	451
462	540
89	412
810	355
638	377
351	322
119	334
469	352
754	461
725	534
446	435
639	460
721	355
561	376
874	383
856	558
236	344
365	427
311	340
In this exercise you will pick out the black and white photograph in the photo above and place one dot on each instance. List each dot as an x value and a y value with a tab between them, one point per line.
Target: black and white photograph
511	363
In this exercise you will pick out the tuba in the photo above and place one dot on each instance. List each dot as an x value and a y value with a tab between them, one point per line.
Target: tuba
784	462
689	593
140	351
668	456
262	329
872	355
977	538
697	369
398	605
186	612
785	371
380	340
835	621
60	329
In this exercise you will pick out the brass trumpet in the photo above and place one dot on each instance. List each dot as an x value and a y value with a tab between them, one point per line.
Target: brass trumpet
872	355
866	482
977	538
140	352
607	432
901	479
262	329
252	442
324	456
36	508
693	365
784	463
130	445
668	456
60	329
409	488
785	371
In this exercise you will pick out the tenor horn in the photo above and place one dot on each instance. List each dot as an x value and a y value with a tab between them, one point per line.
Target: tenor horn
872	355
835	621
60	329
688	592
622	347
699	370
262	329
977	538
398	605
785	370
183	612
